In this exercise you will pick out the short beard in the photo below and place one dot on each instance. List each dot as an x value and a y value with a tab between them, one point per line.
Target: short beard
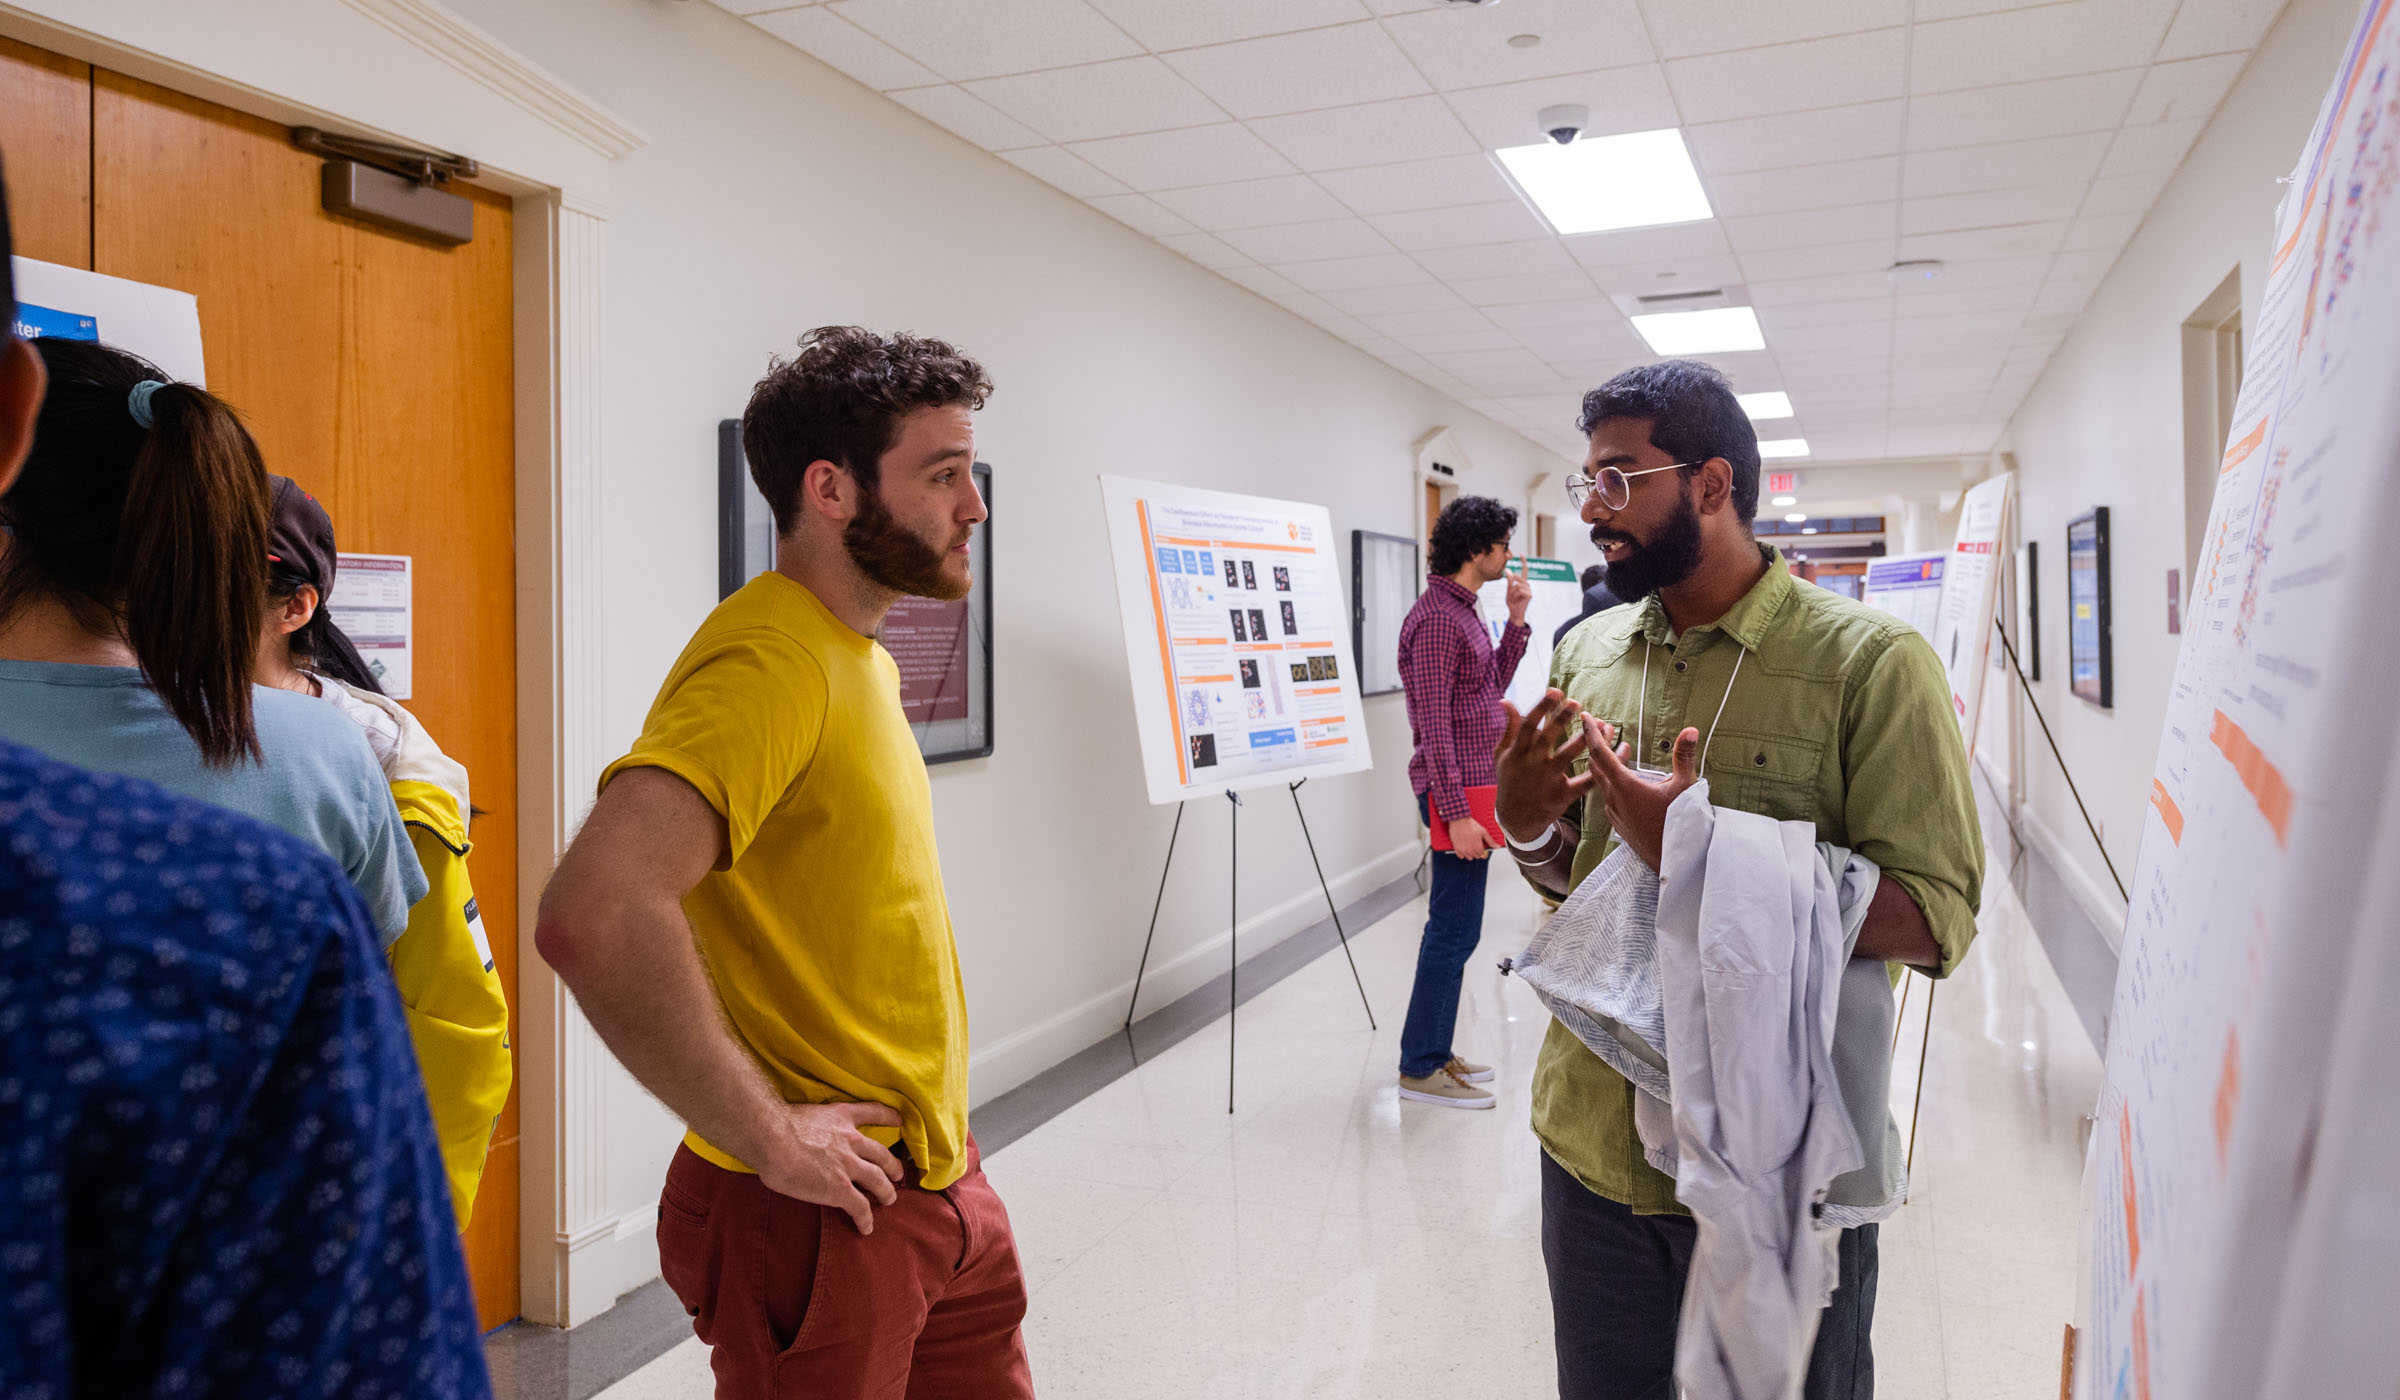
893	557
1666	560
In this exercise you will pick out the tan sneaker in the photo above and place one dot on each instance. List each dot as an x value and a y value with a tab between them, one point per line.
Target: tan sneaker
1446	1089
1469	1071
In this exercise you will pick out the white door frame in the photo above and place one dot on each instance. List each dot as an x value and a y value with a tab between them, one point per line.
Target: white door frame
416	71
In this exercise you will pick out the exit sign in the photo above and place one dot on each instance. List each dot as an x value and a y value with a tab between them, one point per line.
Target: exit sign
1782	483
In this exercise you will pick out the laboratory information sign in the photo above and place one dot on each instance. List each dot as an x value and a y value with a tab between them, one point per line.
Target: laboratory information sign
1557	597
1235	633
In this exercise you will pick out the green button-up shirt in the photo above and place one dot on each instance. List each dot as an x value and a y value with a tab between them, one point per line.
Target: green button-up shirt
1840	716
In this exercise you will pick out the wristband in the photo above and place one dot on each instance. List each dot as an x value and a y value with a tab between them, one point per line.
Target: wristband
1515	845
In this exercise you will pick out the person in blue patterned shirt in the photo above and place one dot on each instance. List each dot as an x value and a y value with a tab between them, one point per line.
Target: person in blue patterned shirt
217	1173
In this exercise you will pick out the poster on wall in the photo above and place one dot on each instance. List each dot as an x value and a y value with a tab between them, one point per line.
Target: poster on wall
2091	663
374	603
1557	597
1385	579
159	324
944	652
1234	621
2238	1184
1962	634
1909	587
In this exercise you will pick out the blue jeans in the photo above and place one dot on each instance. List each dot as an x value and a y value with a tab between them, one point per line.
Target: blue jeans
1453	926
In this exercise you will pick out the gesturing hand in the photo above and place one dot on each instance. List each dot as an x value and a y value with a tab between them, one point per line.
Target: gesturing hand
827	1161
1534	766
1637	804
1520	594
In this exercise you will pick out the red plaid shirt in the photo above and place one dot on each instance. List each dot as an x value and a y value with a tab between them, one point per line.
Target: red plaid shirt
1454	680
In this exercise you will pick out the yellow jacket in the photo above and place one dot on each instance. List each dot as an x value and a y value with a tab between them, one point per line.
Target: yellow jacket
442	963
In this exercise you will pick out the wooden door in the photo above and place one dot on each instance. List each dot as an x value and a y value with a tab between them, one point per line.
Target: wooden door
374	370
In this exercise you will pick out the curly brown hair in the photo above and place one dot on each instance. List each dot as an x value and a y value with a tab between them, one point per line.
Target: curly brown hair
841	400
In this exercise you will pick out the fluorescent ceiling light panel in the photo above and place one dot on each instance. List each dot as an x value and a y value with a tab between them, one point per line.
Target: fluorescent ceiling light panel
1795	519
1783	447
1786	500
1724	329
1773	404
1609	182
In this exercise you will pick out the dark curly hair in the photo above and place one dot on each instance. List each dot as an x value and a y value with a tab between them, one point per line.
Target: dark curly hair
1467	527
841	400
1693	416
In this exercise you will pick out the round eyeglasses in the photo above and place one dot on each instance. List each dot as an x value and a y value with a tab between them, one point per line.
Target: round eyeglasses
1614	485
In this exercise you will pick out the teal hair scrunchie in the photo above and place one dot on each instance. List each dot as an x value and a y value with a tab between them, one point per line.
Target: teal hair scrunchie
137	403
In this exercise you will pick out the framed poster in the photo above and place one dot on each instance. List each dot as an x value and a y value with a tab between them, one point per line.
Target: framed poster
1385	579
745	527
2090	669
944	652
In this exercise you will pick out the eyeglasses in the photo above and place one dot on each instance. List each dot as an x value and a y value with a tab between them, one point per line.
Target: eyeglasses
1615	486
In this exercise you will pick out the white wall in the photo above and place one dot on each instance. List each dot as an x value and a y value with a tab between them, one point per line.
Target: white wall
776	195
2104	426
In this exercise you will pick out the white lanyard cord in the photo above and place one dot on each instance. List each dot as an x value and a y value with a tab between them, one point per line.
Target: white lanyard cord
1641	723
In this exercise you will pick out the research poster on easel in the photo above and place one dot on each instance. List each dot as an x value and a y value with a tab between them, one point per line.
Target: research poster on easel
1962	633
1236	635
1557	596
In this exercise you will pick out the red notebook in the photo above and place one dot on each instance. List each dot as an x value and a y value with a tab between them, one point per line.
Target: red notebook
1480	805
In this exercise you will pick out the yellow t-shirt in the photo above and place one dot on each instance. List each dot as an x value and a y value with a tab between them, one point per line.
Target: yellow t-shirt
826	932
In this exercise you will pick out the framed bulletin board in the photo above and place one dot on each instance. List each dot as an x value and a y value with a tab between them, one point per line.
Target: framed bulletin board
745	527
2090	668
1385	579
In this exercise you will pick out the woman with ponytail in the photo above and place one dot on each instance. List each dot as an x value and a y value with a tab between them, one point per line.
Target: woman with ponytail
133	576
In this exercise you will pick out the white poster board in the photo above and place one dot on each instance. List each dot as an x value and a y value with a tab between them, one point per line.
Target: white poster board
1557	597
374	603
1962	634
1909	587
157	323
1237	638
1388	577
2245	1226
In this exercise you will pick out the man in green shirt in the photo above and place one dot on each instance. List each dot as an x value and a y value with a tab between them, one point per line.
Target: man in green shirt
1808	707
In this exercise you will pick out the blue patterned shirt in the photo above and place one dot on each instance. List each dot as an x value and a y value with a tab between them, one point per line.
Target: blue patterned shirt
217	1175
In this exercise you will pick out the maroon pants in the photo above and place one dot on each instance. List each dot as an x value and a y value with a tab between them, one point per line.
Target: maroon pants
793	1301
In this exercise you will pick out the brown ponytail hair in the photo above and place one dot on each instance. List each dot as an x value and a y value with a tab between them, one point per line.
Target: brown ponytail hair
156	533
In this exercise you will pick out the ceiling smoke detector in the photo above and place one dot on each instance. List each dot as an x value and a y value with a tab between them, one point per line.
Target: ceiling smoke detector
1470	4
1913	270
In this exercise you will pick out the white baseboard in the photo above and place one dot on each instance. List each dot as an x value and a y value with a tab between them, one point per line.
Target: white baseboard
608	1259
2099	902
1004	1063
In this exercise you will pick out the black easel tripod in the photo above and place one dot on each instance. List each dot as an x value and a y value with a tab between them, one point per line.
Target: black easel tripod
1233	927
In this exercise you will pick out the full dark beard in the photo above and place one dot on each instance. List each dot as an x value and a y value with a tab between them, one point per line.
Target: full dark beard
1666	560
890	555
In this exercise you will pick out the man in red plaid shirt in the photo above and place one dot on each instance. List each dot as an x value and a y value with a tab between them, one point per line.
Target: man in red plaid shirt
1454	678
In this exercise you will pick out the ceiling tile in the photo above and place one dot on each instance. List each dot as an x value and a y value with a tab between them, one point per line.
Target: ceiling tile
1825	313
1199	155
1811	342
2090	265
2218	26
752	7
2157	147
2020	111
1491	367
1929	305
2127	194
1790	77
1180	24
2015	240
1377	133
1665	244
1264	281
1855	286
1498	260
975	39
1456	320
1965	274
2186	90
1324	238
1065	169
967	115
2064	297
1461	342
1204	249
824	35
1117	98
1798	138
1672	275
1503	222
1419	184
1853	224
2055	41
1992	208
1371	301
1342	274
1139	212
2108	231
1619	99
1605	336
1971	169
1806	187
1822	260
1523	287
1301	72
1570	312
1687	27
1285	199
1470	48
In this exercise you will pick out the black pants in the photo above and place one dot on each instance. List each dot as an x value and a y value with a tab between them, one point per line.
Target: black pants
1616	1291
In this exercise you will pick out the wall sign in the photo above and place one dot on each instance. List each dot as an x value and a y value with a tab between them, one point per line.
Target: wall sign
2090	667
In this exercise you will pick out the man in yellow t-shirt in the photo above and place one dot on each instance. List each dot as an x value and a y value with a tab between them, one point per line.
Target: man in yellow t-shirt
753	918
